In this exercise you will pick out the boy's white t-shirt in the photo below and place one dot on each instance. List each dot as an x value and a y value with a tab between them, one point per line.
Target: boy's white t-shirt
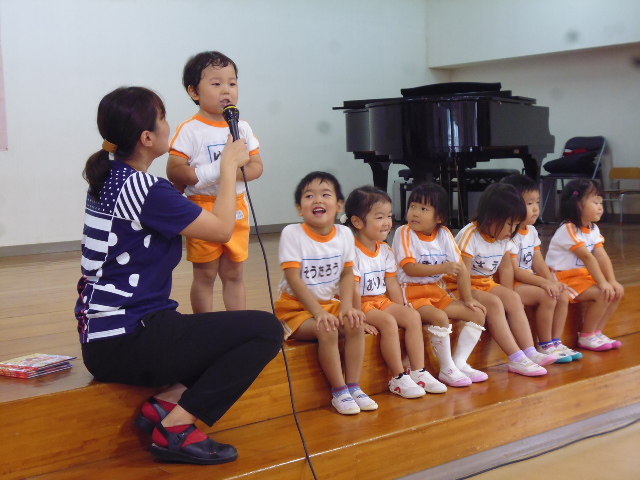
413	247
525	242
485	253
371	269
321	259
567	238
201	141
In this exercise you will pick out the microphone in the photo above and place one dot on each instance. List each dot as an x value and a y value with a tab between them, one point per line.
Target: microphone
231	114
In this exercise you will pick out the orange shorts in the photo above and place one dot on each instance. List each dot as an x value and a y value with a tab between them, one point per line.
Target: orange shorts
577	279
237	249
377	302
292	313
483	283
420	295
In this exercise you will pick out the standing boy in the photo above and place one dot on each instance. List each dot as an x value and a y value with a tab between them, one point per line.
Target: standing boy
211	80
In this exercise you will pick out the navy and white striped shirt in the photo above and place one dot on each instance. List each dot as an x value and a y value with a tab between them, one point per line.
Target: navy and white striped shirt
130	246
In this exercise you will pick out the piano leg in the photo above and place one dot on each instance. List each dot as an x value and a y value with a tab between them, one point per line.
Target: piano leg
380	172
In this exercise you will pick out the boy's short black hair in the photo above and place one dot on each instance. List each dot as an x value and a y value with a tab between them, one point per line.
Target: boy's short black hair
434	195
321	177
192	73
499	202
572	194
523	183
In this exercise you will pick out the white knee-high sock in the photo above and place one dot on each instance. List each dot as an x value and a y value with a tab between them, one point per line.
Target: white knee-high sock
467	340
441	341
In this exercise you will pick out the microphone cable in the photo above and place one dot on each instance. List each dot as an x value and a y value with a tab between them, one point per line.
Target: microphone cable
273	309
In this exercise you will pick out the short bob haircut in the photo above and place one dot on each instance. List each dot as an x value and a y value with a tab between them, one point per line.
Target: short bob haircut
523	183
361	200
499	203
572	196
434	195
321	177
192	73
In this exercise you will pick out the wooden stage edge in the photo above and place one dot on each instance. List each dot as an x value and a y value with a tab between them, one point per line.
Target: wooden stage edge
68	426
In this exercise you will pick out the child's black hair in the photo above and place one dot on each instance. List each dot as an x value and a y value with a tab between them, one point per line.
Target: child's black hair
434	195
321	177
523	183
192	73
361	200
499	203
571	198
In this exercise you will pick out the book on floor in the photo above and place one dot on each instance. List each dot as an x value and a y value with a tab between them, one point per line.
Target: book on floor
35	365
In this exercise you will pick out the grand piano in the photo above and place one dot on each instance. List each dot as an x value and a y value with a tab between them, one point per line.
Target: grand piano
441	130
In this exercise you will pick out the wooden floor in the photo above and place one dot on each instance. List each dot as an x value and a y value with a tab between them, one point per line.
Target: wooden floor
37	294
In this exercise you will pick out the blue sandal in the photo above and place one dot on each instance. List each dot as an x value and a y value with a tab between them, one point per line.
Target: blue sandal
200	449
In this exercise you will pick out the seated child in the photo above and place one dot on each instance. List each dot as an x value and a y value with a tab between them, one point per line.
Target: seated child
486	245
377	293
577	257
317	258
425	251
533	280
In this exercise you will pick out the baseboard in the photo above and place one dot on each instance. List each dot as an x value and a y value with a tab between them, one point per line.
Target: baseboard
531	446
38	248
74	245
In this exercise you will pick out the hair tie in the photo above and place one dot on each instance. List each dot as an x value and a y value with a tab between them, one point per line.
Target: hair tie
575	193
109	147
344	219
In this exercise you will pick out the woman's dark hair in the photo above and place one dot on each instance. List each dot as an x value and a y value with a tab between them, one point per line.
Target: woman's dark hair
499	203
122	117
321	177
523	183
571	198
361	200
192	73
434	195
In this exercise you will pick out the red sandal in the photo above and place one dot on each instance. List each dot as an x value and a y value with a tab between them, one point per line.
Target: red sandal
152	413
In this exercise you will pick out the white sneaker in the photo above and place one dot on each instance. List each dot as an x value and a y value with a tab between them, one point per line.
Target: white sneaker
527	368
345	404
426	381
543	359
594	343
406	387
476	376
364	401
453	377
614	343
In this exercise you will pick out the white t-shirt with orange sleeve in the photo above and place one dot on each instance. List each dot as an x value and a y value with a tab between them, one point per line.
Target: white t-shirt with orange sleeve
486	253
201	141
321	259
525	242
566	240
372	269
413	247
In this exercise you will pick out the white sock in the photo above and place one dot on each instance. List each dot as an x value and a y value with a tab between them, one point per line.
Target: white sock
467	341
441	341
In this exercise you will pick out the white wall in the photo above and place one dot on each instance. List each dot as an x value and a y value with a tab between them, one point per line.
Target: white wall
296	61
462	32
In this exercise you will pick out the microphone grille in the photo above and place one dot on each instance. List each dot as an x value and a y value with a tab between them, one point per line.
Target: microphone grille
231	112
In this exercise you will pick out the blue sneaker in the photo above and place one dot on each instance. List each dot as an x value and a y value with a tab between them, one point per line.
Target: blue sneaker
551	349
564	349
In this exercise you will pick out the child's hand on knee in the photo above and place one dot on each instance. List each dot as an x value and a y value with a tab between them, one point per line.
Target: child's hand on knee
354	316
327	321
